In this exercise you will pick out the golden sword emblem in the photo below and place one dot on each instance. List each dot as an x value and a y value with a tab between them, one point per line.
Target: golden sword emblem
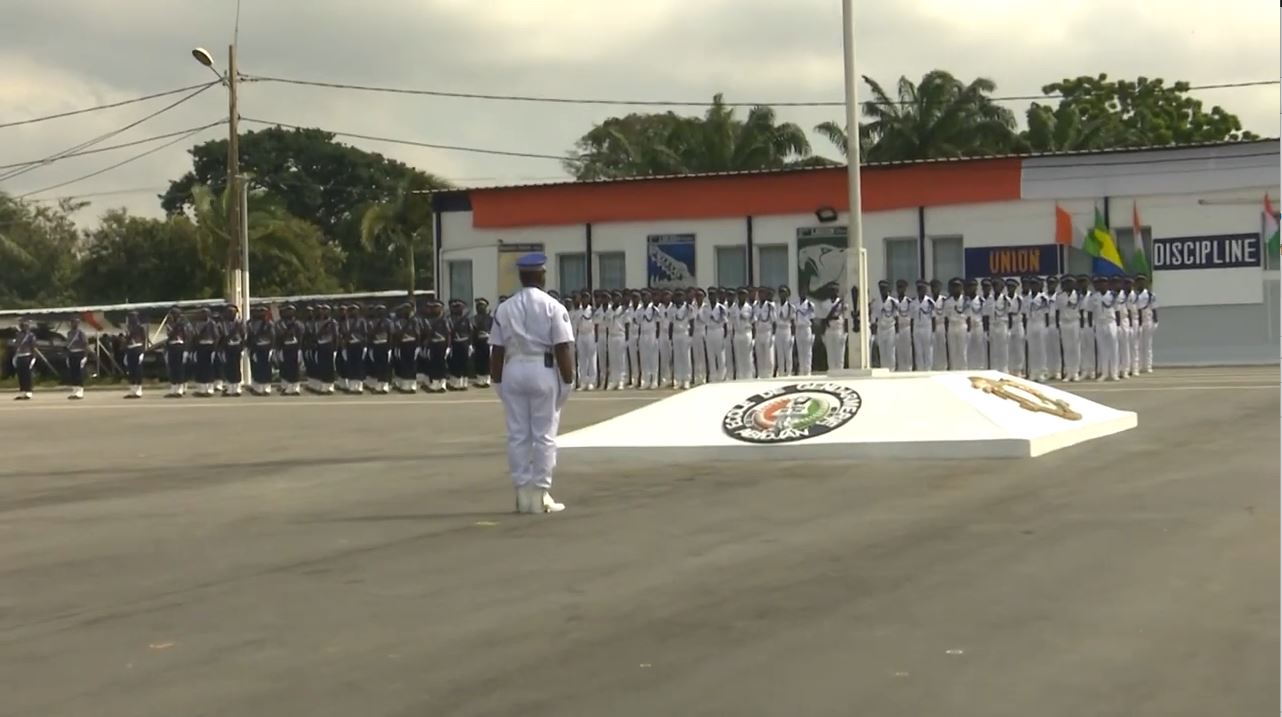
1028	397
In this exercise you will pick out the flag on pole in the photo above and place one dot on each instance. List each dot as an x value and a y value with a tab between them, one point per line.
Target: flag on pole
1139	262
1099	244
1065	235
1270	226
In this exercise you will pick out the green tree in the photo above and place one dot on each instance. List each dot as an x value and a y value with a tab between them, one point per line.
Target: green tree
37	253
940	116
313	177
136	259
1096	112
657	144
401	227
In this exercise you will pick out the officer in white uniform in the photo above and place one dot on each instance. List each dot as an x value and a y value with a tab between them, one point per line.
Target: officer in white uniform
804	335
977	348
1088	297
1070	328
1105	310
1146	303
785	316
699	336
634	345
881	311
532	344
903	327
664	309
718	323
1133	308
923	321
1017	308
999	348
648	333
763	329
585	324
682	319
1054	348
741	316
956	324
617	344
1039	316
832	311
940	348
1125	329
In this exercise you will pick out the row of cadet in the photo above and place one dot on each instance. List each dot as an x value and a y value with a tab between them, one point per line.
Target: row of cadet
1064	329
348	348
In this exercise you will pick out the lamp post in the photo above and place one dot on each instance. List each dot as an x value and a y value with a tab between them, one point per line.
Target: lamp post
856	257
237	289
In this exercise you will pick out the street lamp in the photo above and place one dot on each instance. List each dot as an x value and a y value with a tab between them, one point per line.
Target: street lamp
856	257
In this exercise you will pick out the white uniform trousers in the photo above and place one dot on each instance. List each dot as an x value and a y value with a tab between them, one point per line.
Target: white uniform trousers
885	337
904	349
924	350
1087	342
764	347
1146	347
617	346
1072	343
585	348
634	360
940	348
1036	349
1018	349
805	343
1106	350
665	360
716	343
999	348
1054	351
649	349
1135	348
958	342
1124	350
835	346
783	351
977	350
529	392
699	356
742	355
681	372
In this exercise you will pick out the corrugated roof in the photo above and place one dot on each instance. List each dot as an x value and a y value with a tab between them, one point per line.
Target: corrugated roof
872	165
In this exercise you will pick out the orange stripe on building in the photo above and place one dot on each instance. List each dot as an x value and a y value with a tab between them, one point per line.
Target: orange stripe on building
801	192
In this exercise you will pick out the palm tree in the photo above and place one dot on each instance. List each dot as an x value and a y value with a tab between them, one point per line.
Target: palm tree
721	142
405	218
1062	129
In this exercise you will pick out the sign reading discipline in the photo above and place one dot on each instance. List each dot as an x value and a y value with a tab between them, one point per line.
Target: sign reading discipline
1227	251
1034	260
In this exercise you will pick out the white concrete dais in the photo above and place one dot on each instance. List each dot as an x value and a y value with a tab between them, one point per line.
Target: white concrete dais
928	415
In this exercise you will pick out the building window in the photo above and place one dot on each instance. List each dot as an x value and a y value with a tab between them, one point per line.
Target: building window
460	280
901	260
571	273
772	265
732	266
947	258
611	270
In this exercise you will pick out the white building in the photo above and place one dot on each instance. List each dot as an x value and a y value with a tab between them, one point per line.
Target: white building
1200	210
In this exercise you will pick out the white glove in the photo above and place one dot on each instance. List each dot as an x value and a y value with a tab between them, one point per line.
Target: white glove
563	393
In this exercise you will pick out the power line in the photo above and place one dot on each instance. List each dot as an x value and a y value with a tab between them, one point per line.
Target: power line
121	163
103	137
111	105
108	148
89	195
412	143
656	103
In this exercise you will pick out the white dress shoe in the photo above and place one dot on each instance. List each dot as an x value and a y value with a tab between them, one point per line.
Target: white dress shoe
544	500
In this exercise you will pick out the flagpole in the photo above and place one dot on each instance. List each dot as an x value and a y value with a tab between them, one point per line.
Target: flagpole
856	259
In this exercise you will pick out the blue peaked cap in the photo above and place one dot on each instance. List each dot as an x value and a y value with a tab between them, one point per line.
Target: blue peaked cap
533	260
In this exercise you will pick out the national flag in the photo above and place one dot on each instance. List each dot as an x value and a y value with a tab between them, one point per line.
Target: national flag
1099	243
1065	235
1270	226
1139	262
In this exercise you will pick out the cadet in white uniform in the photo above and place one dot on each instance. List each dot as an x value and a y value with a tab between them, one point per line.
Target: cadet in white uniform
977	344
1017	307
718	323
585	325
1105	310
1039	316
532	343
1125	328
923	321
999	347
682	318
1132	307
903	327
804	335
665	308
763	333
956	324
832	312
941	338
785	315
699	336
634	332
741	317
1087	298
648	331
1054	349
1146	304
1070	329
882	309
616	334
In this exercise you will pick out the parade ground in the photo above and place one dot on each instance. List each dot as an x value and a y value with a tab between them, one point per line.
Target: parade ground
358	556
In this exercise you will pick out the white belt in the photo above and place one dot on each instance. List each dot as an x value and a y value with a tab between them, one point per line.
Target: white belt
526	358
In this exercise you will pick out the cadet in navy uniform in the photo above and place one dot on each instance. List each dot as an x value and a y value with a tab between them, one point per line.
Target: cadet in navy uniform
233	347
262	340
355	336
24	358
533	345
308	325
327	343
460	345
380	347
436	338
342	321
206	336
291	333
406	336
177	334
482	322
135	347
77	349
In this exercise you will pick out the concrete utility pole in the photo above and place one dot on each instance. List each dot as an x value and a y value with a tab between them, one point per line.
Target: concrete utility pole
237	292
856	257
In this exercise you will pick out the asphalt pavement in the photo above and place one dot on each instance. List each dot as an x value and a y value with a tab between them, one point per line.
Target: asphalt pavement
358	556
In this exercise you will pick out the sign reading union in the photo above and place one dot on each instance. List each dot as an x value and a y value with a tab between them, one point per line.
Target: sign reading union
1035	260
1227	251
791	413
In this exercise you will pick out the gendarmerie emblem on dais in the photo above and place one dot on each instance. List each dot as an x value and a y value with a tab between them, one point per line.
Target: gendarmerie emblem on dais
791	413
1028	397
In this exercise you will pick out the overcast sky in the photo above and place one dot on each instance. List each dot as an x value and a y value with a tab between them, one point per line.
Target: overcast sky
58	55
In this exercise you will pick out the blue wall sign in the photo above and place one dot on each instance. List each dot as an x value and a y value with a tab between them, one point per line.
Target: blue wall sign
1033	260
1227	251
